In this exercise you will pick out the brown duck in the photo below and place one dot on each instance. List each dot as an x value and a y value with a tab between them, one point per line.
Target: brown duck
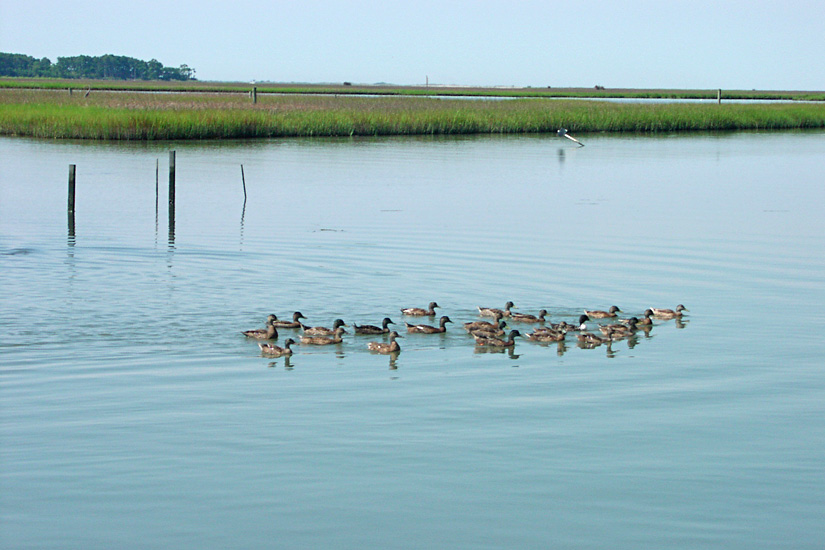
419	312
491	311
372	329
429	329
295	323
386	347
668	313
268	333
323	331
277	351
325	340
597	314
498	342
527	318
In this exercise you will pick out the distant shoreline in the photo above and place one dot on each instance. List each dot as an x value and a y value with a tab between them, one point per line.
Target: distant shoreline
394	90
108	110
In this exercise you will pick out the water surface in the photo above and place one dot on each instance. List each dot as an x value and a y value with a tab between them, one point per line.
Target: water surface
134	415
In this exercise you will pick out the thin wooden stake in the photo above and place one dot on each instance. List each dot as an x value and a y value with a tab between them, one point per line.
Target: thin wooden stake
243	180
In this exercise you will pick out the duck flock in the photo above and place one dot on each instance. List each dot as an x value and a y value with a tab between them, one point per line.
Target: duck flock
497	333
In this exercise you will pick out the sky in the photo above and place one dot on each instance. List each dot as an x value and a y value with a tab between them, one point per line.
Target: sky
764	45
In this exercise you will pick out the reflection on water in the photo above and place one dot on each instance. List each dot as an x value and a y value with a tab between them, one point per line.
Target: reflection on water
130	401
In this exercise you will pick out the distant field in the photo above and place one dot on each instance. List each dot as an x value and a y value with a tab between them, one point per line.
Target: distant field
198	110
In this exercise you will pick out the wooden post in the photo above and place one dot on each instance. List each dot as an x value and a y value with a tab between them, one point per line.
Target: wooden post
719	96
243	180
254	94
171	196
72	172
171	180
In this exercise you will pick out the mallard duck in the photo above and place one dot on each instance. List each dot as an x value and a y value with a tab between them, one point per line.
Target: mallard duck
546	336
619	330
488	330
498	342
588	338
372	329
527	318
597	314
324	340
323	331
565	326
277	351
644	321
386	347
668	313
428	329
418	312
485	325
491	311
268	333
295	323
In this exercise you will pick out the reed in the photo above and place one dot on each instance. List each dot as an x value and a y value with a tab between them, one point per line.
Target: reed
148	116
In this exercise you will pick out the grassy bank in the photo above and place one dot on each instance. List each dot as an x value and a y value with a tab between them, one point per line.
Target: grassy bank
142	116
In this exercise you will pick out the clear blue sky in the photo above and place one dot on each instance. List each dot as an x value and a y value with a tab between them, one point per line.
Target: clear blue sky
771	45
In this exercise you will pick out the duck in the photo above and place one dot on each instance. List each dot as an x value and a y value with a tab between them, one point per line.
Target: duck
372	329
597	314
324	340
485	325
588	338
268	333
646	320
323	331
527	318
565	326
498	342
491	311
386	347
489	330
419	312
546	336
619	330
295	323
277	351
668	313
428	329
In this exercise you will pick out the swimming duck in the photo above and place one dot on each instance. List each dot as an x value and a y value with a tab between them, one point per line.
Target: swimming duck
386	347
597	314
428	329
268	333
498	342
619	330
668	313
588	338
277	351
527	318
644	321
419	312
486	325
323	331
488	330
565	326
323	340
491	311
295	323
372	329
546	336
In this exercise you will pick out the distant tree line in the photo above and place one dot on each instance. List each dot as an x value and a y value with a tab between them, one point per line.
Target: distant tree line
115	67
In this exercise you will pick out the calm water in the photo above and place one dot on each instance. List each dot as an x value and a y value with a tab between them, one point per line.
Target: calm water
134	415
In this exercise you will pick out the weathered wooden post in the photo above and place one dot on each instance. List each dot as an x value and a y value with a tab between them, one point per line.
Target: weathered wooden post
719	96
254	94
171	195
72	172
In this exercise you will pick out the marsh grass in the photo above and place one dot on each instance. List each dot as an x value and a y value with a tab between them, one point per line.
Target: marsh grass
158	116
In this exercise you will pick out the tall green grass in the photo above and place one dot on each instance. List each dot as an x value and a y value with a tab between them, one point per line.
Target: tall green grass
135	116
